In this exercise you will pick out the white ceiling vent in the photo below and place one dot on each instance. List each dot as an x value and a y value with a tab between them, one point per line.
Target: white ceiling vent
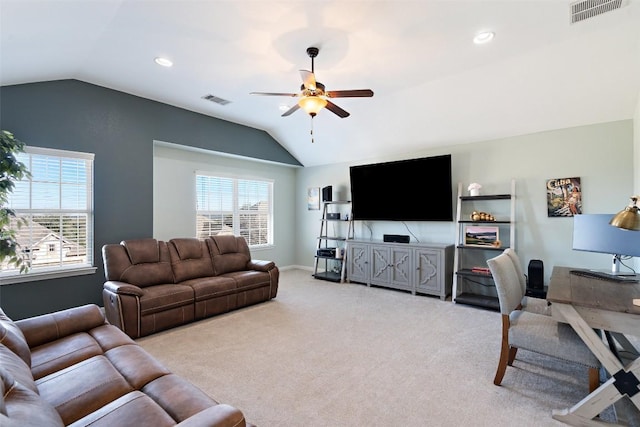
585	9
216	99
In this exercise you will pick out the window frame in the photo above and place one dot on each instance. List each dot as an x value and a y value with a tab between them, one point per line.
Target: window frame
236	212
61	270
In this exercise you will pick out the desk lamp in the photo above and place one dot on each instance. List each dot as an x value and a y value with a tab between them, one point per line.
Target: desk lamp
629	218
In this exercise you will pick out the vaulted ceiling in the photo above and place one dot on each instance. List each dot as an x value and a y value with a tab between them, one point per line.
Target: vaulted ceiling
433	86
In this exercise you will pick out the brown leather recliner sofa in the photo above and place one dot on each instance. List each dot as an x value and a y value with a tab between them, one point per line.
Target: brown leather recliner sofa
73	368
154	285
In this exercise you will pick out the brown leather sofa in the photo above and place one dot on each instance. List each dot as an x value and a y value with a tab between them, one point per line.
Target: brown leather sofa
154	285
73	368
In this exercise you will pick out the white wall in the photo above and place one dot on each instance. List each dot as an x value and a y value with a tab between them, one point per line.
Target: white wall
174	196
601	155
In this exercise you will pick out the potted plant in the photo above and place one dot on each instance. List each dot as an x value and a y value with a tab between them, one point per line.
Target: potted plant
11	170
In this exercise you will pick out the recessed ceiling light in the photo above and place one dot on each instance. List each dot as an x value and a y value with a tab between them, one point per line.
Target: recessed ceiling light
483	37
163	61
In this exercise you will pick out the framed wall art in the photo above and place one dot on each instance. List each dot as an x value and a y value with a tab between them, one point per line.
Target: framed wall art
313	198
564	197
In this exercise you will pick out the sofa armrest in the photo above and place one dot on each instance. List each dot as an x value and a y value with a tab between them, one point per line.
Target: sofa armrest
50	327
260	265
220	415
122	288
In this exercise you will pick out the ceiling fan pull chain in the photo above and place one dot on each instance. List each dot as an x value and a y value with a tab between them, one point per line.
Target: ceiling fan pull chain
312	140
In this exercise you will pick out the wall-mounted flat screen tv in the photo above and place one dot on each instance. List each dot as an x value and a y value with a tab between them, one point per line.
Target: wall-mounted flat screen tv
405	190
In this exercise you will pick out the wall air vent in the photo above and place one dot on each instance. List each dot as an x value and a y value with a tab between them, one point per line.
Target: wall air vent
216	99
585	9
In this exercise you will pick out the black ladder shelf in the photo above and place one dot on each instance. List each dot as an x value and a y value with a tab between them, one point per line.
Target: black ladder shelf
330	265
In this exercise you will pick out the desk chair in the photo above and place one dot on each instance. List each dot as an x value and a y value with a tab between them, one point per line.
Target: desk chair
534	305
532	331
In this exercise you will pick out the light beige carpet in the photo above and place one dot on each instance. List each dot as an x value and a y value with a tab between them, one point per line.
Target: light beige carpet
329	354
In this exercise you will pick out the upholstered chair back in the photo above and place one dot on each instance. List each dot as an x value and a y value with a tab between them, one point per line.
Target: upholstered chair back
507	284
190	259
517	264
140	262
229	253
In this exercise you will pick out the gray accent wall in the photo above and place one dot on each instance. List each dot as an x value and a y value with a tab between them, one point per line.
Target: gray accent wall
120	130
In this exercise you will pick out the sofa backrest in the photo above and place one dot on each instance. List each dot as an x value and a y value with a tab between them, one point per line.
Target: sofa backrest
23	406
12	337
228	253
20	403
141	262
190	259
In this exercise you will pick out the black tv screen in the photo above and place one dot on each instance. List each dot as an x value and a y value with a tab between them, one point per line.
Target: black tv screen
405	190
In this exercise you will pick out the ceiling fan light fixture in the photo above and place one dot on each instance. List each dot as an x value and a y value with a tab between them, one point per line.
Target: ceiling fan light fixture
312	104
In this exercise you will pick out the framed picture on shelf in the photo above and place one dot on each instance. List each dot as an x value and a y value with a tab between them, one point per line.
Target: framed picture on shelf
313	198
481	236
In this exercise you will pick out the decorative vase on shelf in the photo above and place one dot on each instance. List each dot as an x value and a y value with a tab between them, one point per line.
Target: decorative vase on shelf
474	189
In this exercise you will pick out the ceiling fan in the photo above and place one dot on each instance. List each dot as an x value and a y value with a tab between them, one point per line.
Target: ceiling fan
314	97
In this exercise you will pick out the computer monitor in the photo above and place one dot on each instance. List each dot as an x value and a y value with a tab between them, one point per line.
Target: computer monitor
593	233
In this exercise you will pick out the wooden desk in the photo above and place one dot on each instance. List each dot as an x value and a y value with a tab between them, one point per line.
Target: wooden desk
587	303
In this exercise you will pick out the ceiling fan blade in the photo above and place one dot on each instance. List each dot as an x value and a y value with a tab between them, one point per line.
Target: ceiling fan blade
354	93
274	94
291	110
336	110
308	79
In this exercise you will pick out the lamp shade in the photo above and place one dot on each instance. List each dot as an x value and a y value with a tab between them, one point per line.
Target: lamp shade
629	218
312	104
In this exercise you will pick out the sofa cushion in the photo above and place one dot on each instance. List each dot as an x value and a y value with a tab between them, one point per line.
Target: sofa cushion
188	248
246	280
62	353
229	253
22	407
12	337
164	297
49	327
142	251
108	337
226	244
144	275
83	388
142	262
211	287
136	365
180	398
190	259
132	409
18	369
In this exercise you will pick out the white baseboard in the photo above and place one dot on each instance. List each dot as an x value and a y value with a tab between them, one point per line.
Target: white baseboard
295	267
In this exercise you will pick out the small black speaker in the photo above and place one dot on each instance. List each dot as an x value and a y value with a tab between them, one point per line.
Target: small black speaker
327	193
536	274
395	238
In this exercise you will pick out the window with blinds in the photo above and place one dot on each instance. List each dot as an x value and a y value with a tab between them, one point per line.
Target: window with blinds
54	210
240	207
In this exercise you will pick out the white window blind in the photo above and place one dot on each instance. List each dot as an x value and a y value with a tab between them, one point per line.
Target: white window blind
241	207
56	208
